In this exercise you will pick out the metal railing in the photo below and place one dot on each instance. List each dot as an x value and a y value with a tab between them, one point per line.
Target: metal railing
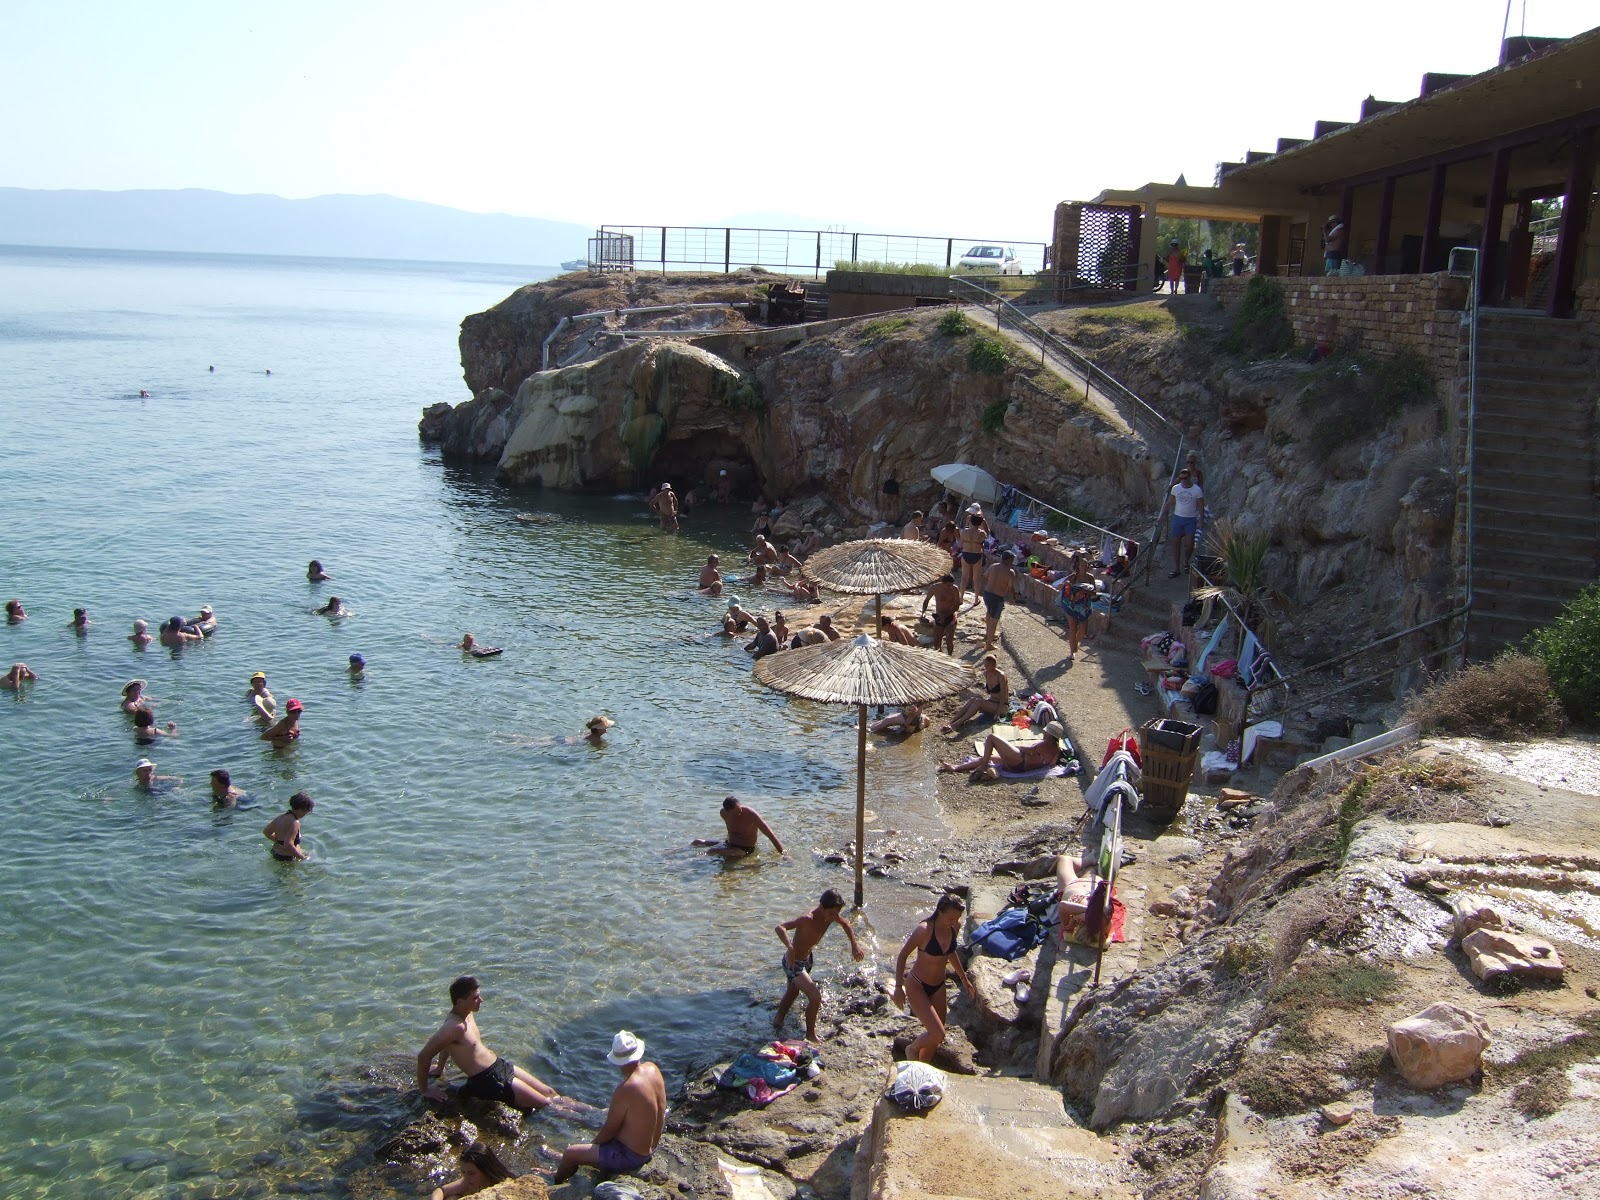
1265	657
796	251
1038	516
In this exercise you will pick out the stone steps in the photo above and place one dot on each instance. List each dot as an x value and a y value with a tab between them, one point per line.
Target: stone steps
1529	496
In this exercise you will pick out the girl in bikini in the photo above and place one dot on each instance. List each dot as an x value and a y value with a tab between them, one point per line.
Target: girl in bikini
934	941
995	699
973	535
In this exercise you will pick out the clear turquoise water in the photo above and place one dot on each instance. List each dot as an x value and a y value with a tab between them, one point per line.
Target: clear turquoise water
175	1003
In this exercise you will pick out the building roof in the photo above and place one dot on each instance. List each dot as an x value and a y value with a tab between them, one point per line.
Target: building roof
1544	87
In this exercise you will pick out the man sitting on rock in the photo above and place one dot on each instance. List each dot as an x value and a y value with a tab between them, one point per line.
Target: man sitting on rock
634	1120
489	1077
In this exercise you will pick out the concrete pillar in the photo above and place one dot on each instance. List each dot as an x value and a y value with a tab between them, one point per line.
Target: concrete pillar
1147	250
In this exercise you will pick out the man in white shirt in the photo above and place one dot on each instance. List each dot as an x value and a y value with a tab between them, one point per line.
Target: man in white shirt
1185	502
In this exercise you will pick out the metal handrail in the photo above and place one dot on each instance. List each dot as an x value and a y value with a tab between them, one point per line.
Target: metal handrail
1034	503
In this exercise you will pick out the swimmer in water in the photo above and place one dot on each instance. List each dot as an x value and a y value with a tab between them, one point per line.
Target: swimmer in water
745	827
261	700
205	624
798	956
145	730
19	674
469	645
223	793
907	721
283	831
143	395
333	608
711	577
80	620
358	666
14	612
173	633
133	697
315	573
140	637
597	726
287	731
481	1169
146	779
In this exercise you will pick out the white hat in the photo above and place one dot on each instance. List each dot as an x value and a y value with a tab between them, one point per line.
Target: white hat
144	763
724	471
625	1049
975	507
1055	729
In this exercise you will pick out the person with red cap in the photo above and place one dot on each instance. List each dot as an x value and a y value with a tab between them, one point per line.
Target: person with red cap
286	731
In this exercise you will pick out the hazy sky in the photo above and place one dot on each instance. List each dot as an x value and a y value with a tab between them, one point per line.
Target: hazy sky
967	121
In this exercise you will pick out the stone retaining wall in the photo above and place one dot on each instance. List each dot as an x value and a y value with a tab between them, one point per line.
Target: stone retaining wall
1384	313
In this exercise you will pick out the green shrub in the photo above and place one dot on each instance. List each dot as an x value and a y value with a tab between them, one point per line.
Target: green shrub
1354	395
891	268
876	331
1510	698
1569	648
1260	325
954	323
994	416
988	355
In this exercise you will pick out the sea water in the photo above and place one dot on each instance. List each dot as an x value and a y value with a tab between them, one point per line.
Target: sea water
184	1016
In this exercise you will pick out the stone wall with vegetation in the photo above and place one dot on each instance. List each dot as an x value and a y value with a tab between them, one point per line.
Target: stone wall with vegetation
1382	313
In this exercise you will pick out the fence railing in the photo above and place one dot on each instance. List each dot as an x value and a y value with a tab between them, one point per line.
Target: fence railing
798	251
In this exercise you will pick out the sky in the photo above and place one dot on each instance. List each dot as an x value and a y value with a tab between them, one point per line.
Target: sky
930	118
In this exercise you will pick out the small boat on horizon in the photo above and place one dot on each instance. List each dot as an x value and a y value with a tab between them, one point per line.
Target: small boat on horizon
577	264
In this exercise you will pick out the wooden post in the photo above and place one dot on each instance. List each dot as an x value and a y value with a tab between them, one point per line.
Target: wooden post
1574	216
1490	273
861	800
1385	219
1430	222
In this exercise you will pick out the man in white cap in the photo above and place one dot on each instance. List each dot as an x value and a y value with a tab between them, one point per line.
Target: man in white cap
633	1122
665	505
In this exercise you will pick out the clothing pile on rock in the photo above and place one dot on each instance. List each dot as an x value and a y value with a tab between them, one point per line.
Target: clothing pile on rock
774	1070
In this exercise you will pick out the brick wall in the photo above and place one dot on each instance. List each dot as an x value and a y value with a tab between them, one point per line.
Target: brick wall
1384	313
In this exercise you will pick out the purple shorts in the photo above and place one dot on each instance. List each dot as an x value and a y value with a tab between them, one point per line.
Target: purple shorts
617	1159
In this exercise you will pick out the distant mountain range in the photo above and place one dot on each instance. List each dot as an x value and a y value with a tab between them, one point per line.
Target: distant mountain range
324	226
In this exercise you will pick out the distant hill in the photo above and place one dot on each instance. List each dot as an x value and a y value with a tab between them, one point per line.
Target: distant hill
323	226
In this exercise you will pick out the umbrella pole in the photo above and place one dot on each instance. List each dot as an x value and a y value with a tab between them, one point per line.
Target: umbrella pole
861	798
877	626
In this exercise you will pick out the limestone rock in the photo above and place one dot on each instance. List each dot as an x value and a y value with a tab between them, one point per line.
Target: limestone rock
528	1187
1337	1115
1441	1044
421	1139
1472	913
435	422
1493	953
956	1055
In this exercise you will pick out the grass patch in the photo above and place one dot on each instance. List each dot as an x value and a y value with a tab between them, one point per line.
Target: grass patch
1354	395
1325	985
954	324
994	416
1126	316
744	396
1430	790
1275	1086
891	268
1568	647
989	355
1260	326
1541	1075
876	331
1509	699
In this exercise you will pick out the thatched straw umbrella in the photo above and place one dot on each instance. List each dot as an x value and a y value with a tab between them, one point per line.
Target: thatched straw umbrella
863	671
874	566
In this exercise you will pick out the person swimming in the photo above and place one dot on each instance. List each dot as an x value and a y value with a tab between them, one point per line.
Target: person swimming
315	573
333	608
287	731
140	637
469	645
19	674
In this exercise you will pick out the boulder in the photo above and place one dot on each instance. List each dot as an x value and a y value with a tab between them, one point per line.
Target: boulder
1472	913
528	1187
1494	953
435	422
1441	1044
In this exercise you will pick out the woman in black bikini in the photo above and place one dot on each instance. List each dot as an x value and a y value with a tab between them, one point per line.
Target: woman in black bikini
973	536
934	941
995	699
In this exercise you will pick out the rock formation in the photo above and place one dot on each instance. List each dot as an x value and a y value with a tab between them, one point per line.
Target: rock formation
1441	1044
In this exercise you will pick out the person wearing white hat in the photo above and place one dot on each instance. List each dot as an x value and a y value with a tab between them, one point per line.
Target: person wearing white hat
665	505
634	1120
145	777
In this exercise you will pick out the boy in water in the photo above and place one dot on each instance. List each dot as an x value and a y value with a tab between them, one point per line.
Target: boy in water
798	956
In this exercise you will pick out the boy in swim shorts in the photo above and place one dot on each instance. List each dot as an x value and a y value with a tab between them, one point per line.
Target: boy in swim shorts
798	956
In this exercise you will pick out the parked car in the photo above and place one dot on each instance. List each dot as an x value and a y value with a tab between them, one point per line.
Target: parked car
1002	259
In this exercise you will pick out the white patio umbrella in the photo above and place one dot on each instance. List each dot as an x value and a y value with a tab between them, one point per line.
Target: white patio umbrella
964	479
